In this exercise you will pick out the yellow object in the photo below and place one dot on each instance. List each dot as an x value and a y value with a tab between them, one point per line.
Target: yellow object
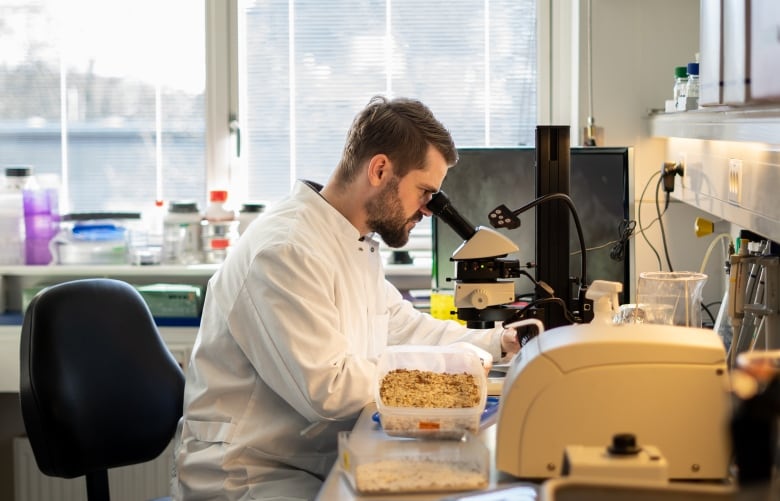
703	227
443	306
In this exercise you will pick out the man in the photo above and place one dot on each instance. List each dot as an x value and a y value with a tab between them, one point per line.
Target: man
296	316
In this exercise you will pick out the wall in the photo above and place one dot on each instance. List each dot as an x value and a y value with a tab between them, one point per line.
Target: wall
635	46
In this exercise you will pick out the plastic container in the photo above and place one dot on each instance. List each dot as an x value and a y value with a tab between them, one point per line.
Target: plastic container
91	243
431	422
41	219
248	213
12	214
216	210
147	236
182	234
674	298
219	228
395	466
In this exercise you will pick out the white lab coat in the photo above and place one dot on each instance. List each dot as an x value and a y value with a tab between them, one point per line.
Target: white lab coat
285	357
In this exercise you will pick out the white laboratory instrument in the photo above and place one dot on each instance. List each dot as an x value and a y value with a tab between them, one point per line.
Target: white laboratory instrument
583	384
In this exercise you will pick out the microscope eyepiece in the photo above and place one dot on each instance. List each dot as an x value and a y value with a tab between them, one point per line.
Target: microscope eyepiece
441	206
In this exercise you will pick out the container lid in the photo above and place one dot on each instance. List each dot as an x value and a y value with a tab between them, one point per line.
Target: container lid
218	195
252	207
183	207
693	68
680	71
18	171
99	232
96	216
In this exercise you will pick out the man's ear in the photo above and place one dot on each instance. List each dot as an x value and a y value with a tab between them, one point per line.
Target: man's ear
379	169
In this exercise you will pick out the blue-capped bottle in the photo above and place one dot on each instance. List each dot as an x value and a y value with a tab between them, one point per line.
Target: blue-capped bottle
692	87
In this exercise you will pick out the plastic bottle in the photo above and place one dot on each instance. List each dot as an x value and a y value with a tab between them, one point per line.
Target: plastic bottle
154	221
147	239
219	227
248	213
181	234
12	214
41	218
680	82
692	87
604	295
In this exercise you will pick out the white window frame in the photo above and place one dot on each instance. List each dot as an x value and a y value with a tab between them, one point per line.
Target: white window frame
557	91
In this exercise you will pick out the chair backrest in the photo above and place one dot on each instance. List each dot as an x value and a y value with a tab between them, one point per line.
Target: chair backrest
98	386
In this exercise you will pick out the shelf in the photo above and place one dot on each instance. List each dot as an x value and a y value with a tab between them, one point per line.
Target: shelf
200	270
754	124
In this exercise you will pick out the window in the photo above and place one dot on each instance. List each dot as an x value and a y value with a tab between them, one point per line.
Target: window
306	67
107	95
132	101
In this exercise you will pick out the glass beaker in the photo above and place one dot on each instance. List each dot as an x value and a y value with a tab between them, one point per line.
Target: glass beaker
673	296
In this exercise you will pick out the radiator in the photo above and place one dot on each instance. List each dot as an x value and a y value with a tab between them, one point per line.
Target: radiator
129	483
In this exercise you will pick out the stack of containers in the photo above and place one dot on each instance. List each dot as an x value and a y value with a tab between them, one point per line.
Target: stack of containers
219	228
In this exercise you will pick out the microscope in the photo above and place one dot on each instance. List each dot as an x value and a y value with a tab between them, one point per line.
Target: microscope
483	283
484	276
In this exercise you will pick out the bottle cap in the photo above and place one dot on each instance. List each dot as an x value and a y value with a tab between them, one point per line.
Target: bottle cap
180	207
18	171
680	72
693	68
218	195
252	207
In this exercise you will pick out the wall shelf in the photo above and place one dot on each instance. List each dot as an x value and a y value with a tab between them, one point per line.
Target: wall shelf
748	137
754	124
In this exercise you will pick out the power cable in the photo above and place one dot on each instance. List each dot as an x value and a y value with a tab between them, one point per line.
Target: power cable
639	219
661	223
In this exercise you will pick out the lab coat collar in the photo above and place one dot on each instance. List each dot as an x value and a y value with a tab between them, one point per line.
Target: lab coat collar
341	224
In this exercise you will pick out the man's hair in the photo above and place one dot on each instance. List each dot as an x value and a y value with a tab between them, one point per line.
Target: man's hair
400	128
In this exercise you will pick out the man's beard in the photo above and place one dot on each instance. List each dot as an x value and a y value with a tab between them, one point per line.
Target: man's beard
386	216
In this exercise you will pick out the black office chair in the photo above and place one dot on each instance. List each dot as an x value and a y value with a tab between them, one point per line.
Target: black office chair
99	389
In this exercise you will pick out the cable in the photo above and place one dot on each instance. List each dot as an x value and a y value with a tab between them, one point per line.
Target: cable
625	230
503	217
661	223
617	253
709	313
520	313
715	240
639	218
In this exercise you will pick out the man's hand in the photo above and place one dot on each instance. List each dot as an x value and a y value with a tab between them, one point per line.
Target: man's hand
509	343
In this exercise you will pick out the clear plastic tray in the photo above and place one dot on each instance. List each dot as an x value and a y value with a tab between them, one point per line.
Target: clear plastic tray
431	422
400	465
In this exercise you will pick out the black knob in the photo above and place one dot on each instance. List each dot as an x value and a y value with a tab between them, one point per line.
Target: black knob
624	444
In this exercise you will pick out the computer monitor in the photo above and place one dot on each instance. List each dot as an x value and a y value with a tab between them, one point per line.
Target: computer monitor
485	178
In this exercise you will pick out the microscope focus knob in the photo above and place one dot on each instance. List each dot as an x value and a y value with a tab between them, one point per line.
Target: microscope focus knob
479	299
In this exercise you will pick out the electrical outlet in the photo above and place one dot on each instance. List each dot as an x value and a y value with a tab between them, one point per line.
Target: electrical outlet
682	159
735	181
